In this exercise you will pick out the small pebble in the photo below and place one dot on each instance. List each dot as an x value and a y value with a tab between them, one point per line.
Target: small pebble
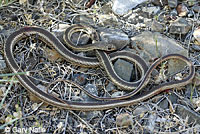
2	64
92	89
1	27
182	10
140	110
80	79
34	106
172	3
196	34
157	26
196	8
184	112
180	26
8	119
1	92
124	119
195	47
123	69
117	94
110	87
196	80
160	2
60	125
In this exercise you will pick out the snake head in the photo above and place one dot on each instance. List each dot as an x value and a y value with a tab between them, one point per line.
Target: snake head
110	47
102	45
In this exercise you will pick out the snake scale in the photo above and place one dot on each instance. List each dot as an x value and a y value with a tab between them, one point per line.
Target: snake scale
103	59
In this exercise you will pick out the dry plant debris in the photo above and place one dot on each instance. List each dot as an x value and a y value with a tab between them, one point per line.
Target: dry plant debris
174	111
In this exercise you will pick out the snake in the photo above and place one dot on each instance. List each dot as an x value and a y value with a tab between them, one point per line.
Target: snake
104	60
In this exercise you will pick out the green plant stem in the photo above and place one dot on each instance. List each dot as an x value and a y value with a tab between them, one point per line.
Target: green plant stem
13	74
2	101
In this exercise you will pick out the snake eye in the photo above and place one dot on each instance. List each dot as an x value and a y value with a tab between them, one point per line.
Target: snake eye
111	47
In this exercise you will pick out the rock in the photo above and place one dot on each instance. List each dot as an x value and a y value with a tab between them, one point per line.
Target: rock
151	45
175	65
106	8
1	27
172	3
164	104
92	89
190	14
35	99
196	104
191	92
197	128
114	36
117	94
77	98
192	2
157	26
110	87
90	115
180	26
195	47
196	35
173	98
123	69
140	110
151	122
52	54
196	8
133	18
151	10
121	7
41	87
108	20
182	10
184	112
35	16
14	17
80	39
84	19
61	28
160	2
196	80
78	1
32	2
80	79
124	119
173	13
2	64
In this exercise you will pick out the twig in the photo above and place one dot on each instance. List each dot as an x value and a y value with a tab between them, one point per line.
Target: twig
83	122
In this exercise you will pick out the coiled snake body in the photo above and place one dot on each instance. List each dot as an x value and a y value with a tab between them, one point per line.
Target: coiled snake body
103	60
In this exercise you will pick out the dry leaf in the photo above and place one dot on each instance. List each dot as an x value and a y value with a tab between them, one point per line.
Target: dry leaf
171	108
52	54
124	120
196	35
34	99
1	92
22	1
8	119
29	19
